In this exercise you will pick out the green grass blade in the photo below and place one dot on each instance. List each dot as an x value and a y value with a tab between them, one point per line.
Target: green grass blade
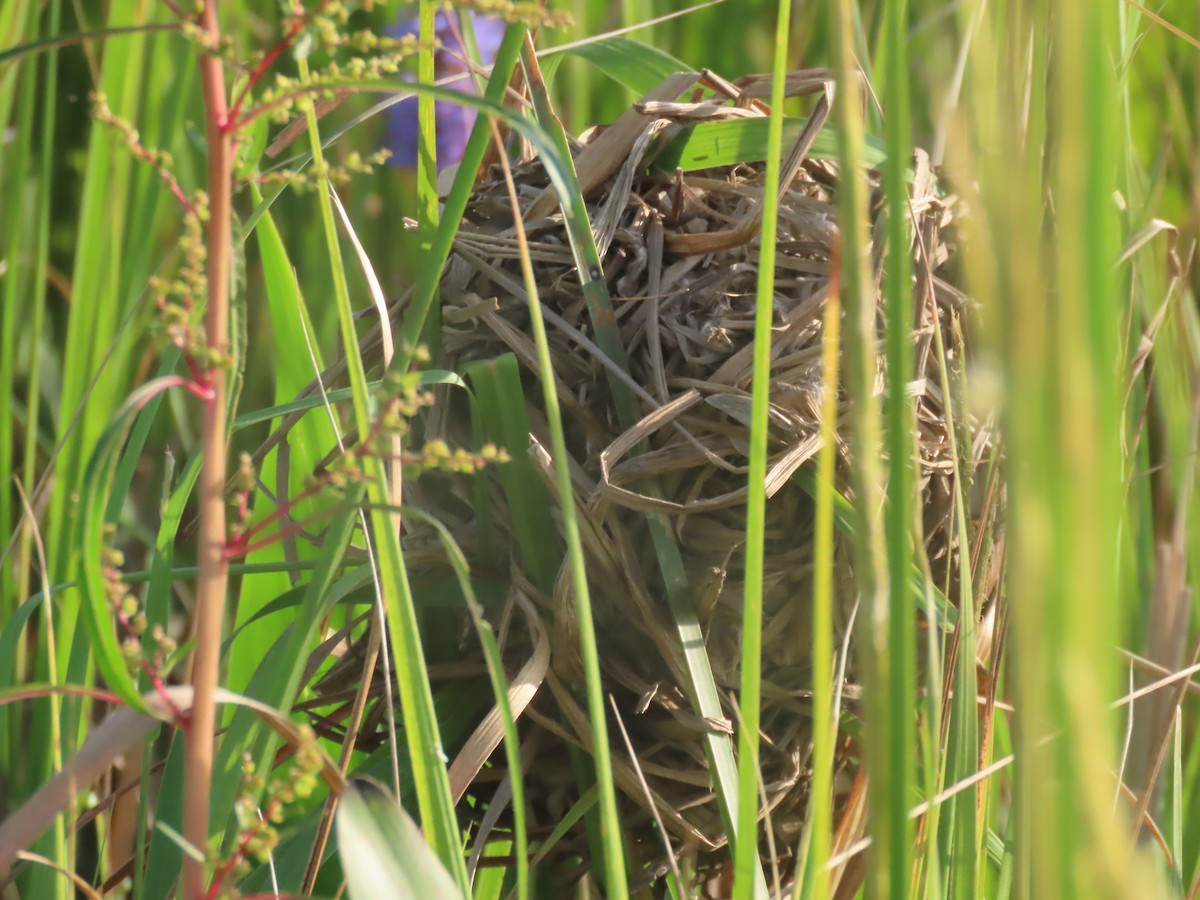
712	144
615	885
501	406
432	264
93	505
380	845
634	64
897	669
746	859
495	667
421	727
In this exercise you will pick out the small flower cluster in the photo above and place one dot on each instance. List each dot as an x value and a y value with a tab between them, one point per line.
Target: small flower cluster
258	819
245	480
193	31
400	399
532	14
175	296
159	160
437	455
366	56
314	176
127	610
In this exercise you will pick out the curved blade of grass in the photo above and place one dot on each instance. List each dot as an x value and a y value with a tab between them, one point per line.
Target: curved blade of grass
427	378
380	845
464	180
614	860
434	799
634	64
93	502
495	667
12	54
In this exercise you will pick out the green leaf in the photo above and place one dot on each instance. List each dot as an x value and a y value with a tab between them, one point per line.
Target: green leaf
639	67
381	846
725	143
97	606
501	407
258	416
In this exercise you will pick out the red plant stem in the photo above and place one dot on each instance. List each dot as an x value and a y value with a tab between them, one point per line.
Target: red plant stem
214	568
260	70
245	548
277	513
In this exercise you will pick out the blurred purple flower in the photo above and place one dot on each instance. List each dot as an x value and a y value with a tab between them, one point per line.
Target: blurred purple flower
453	121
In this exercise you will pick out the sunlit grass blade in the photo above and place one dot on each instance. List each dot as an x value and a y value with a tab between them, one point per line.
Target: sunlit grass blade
613	861
746	859
421	726
381	845
495	667
296	354
636	65
464	181
710	144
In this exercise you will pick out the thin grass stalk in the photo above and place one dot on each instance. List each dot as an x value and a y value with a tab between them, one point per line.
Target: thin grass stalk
427	164
494	660
434	799
894	785
41	261
14	583
960	833
425	290
211	585
15	166
870	557
745	849
718	747
820	803
64	843
615	885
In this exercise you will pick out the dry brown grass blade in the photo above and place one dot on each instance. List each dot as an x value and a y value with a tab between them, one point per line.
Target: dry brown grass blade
751	222
602	157
118	735
521	690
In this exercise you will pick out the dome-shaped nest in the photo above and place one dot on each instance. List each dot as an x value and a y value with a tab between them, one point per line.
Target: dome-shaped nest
680	255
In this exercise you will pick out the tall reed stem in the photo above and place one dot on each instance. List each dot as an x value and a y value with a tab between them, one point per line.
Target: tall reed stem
214	568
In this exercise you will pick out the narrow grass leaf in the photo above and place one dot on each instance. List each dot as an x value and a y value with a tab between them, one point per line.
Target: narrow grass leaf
634	64
746	848
380	845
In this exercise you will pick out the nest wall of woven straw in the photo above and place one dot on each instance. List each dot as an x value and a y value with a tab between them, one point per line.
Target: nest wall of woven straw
680	255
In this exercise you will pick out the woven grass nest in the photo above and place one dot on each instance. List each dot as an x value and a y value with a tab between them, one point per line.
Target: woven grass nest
680	258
